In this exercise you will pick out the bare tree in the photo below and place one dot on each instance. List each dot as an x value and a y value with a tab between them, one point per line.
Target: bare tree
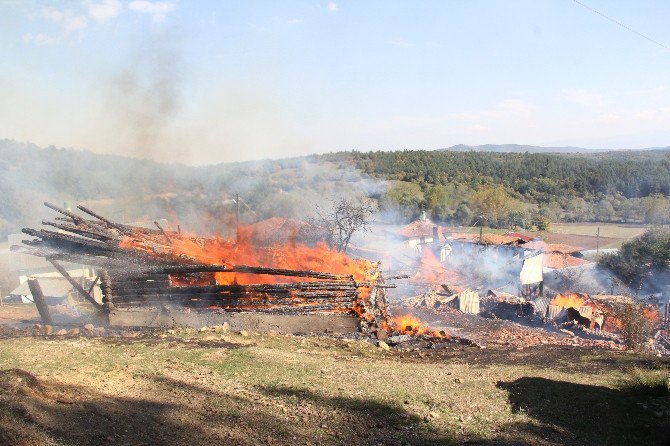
344	218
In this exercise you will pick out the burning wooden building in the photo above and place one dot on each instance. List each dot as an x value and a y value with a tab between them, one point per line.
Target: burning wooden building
162	277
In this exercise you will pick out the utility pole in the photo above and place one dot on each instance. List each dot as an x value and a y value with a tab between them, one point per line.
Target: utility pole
598	243
481	228
237	217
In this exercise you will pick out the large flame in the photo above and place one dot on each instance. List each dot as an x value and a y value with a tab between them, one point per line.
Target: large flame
288	255
291	255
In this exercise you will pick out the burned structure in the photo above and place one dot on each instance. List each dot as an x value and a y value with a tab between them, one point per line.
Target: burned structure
162	277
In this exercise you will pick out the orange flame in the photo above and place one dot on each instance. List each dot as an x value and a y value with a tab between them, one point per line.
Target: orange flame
433	271
410	324
288	255
573	300
219	251
652	314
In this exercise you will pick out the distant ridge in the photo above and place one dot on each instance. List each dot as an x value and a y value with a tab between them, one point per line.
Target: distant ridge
518	148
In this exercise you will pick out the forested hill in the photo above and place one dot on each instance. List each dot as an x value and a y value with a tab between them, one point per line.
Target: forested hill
515	148
517	189
631	174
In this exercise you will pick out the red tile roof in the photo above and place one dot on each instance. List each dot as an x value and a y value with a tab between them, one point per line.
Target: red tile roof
560	261
561	248
495	239
462	236
520	236
419	228
486	239
537	245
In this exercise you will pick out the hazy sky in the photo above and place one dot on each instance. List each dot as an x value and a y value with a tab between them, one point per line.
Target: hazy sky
210	81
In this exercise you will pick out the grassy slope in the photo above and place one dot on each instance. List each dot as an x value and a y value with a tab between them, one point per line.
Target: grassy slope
206	388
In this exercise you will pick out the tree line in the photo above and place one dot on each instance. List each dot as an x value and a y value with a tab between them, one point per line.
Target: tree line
522	189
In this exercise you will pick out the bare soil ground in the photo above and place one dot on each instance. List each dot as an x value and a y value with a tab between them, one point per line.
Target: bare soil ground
205	387
612	235
13	315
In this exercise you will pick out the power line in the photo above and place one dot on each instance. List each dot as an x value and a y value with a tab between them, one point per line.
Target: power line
622	25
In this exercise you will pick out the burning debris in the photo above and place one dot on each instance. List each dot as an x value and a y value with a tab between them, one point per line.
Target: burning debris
171	273
457	281
160	268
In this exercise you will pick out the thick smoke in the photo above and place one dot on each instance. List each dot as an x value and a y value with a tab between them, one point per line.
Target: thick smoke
144	96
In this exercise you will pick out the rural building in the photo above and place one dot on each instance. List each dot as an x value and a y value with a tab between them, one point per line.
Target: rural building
420	232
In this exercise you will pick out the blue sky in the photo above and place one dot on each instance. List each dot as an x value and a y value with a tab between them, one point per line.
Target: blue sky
202	82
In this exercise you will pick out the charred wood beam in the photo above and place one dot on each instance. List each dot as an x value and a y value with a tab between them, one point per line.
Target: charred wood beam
324	286
254	270
233	296
160	228
105	287
236	299
292	310
296	308
109	223
40	248
39	300
129	264
297	297
74	217
123	279
95	282
86	232
74	283
55	237
288	272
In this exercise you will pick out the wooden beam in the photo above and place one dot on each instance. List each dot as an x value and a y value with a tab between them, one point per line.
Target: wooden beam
75	284
40	302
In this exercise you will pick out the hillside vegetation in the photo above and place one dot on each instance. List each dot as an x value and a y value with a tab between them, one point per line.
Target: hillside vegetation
514	189
506	190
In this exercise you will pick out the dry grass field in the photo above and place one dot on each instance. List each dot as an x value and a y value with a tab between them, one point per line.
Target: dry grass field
204	388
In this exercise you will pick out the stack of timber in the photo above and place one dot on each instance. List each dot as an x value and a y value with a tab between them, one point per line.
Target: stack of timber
152	271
